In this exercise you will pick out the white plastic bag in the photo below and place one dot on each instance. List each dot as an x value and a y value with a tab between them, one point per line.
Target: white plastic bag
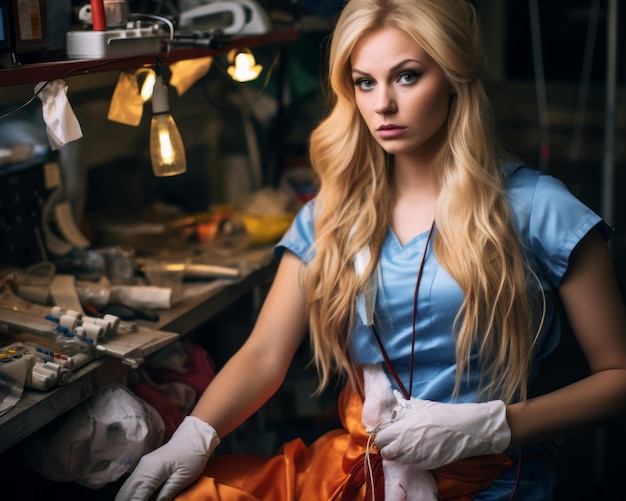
99	440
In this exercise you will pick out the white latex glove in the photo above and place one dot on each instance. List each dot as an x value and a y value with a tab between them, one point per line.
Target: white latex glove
432	434
175	465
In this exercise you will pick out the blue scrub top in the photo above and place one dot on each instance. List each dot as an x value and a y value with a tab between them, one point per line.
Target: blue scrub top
550	221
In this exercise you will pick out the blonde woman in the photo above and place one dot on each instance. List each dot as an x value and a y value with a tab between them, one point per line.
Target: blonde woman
428	271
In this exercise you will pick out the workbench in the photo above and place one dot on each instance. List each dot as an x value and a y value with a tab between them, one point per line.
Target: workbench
38	408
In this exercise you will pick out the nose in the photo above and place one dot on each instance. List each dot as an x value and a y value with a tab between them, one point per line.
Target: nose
385	101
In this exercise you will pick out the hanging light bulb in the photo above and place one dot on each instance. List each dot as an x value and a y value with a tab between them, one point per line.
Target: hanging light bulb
167	152
149	78
243	65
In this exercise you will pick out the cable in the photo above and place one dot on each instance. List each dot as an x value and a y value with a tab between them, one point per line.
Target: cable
164	20
169	44
608	163
69	73
25	104
583	90
540	85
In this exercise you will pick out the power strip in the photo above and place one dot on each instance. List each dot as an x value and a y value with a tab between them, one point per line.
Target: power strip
118	42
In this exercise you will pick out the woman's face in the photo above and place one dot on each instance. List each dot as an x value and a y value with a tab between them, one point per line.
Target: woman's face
401	93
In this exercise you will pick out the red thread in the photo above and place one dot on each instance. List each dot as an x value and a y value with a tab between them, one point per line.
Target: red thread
357	478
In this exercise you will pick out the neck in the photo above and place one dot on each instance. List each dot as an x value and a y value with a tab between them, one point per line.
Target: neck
414	183
415	177
413	213
415	190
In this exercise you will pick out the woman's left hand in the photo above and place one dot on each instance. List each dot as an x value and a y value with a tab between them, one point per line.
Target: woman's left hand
432	434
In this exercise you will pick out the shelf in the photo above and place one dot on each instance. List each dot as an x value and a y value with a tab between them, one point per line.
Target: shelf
37	72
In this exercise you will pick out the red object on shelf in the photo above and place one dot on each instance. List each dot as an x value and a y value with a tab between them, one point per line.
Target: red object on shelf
98	18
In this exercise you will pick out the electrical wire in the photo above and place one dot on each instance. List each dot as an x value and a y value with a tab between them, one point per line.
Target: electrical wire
164	20
583	90
608	163
86	69
540	86
69	73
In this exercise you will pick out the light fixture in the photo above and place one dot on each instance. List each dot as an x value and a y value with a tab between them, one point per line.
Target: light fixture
243	65
149	78
167	152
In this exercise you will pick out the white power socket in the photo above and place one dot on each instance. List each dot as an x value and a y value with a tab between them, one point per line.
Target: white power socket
111	43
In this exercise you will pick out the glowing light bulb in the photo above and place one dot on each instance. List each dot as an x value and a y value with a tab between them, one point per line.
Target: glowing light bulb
244	68
167	152
148	85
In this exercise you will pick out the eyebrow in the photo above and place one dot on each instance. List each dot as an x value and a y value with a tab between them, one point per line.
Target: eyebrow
393	68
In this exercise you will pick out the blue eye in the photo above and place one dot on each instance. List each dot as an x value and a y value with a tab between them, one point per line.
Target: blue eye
364	83
408	77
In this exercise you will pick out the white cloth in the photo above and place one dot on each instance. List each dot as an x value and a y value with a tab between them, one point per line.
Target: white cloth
402	481
62	126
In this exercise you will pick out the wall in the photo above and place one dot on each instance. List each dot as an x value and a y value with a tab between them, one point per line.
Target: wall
575	130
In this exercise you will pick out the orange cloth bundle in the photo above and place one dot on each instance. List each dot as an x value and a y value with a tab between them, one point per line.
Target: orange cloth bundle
328	468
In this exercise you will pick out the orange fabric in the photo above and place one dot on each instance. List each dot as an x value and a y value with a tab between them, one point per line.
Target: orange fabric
322	471
313	473
463	479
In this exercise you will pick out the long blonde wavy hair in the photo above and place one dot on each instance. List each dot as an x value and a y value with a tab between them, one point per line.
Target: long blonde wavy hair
475	240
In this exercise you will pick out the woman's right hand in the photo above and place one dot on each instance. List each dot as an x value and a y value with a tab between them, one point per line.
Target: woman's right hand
174	465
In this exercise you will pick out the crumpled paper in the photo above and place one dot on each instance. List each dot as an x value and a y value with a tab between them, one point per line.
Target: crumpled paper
62	126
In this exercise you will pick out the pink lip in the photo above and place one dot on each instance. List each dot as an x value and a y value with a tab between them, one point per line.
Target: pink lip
390	131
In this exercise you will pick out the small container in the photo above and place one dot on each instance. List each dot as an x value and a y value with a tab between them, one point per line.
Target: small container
117	13
119	264
167	273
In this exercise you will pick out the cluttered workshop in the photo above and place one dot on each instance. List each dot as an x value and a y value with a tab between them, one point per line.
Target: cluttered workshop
152	154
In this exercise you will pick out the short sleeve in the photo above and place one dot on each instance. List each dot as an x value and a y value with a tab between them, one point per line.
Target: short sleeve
551	219
299	238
